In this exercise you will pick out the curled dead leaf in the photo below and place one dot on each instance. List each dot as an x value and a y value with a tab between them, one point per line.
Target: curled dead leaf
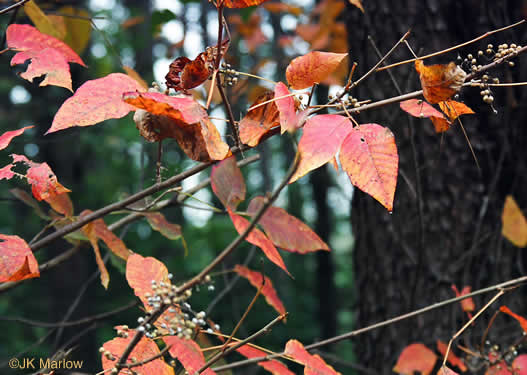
440	81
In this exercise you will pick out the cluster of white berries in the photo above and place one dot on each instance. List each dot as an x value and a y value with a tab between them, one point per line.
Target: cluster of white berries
230	76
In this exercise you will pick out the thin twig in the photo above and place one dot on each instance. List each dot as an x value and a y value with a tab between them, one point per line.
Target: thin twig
12	7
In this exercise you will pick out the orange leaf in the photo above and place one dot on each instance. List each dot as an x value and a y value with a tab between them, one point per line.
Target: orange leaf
95	101
132	73
227	182
441	124
259	121
181	118
369	157
514	224
314	67
268	290
188	353
323	135
141	271
256	237
314	364
467	304
440	82
454	109
357	3
452	358
242	3
49	56
286	231
62	204
17	261
145	349
89	231
273	366
158	222
415	357
6	138
520	319
275	7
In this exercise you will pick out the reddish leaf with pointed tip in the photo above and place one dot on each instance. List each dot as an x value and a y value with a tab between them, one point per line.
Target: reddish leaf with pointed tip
62	204
242	3
519	318
141	271
467	304
258	121
44	183
289	120
519	365
181	118
273	366
7	137
441	124
453	359
159	223
323	135
49	56
514	224
256	237
314	67
369	157
440	82
188	353
114	243
419	108
445	370
145	349
286	231
314	364
17	261
95	101
227	182
415	357
268	290
6	172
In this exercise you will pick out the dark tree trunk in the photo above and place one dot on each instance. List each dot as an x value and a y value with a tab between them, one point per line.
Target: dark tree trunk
445	228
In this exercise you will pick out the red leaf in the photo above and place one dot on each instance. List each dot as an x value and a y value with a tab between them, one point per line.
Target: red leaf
314	364
519	318
256	237
273	366
96	101
227	182
145	349
181	118
242	3
314	67
444	370
114	243
6	172
500	368
259	120
158	222
89	231
268	290
369	157
188	353
6	138
286	231
514	224
141	271
467	304
415	357
44	184
440	82
49	56
323	135
17	261
289	119
452	358
519	365
419	108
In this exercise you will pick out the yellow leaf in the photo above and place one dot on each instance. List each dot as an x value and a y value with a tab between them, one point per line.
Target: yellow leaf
42	22
77	27
514	223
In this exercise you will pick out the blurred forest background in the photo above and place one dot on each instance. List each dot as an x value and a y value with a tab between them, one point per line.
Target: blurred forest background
445	228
